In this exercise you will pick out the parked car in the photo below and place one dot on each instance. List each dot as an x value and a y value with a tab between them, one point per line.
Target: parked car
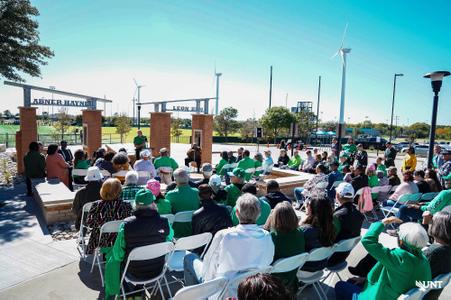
377	143
420	150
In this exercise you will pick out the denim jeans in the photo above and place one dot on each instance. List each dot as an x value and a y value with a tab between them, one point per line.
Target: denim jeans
390	202
192	265
344	290
298	195
407	214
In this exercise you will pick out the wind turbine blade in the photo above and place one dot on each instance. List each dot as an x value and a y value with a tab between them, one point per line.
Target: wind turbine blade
344	35
136	83
336	53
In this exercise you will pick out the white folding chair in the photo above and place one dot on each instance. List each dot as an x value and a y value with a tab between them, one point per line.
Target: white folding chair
170	218
81	241
78	173
419	293
121	173
289	263
203	290
107	228
183	216
143	174
105	173
230	290
428	196
313	278
182	248
402	200
342	246
147	253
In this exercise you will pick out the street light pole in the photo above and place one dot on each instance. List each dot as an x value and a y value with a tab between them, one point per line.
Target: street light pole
317	107
393	104
270	86
436	83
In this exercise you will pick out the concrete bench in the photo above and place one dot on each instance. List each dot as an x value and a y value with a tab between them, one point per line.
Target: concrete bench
287	180
55	200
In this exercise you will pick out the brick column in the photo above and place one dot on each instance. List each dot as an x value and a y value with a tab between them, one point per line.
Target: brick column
28	133
205	124
92	120
160	132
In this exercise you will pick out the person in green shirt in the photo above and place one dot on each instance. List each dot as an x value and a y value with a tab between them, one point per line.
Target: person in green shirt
351	149
140	143
295	161
145	228
288	239
224	161
34	165
396	270
183	198
264	206
380	166
233	190
163	162
343	161
247	164
372	178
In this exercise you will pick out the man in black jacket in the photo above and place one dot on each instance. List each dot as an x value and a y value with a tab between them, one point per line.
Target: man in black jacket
349	220
359	180
274	195
361	157
211	217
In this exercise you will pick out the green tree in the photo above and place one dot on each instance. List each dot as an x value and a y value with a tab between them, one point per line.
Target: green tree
123	125
306	121
248	127
276	119
19	40
175	128
63	122
419	130
226	123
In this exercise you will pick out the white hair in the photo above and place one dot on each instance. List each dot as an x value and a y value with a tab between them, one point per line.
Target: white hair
413	234
249	208
181	176
131	177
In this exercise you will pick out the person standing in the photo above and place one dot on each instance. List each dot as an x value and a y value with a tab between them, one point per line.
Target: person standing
334	147
410	161
445	169
361	157
437	159
140	143
194	154
34	165
390	155
239	154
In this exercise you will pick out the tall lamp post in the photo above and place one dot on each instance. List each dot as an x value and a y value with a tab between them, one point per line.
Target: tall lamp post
217	93
436	83
393	104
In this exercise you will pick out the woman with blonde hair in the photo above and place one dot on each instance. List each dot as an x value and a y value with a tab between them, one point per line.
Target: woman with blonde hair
287	237
110	208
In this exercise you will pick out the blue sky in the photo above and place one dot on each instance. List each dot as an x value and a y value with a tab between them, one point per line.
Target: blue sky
172	47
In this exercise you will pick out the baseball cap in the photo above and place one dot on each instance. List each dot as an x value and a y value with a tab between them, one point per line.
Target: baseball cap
215	180
145	153
237	172
144	197
153	186
345	190
163	150
93	174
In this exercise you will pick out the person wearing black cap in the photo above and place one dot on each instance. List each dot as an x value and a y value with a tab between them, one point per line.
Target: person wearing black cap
445	169
274	195
390	155
145	227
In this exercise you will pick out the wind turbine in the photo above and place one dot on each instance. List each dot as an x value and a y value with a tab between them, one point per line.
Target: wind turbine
343	52
217	91
138	88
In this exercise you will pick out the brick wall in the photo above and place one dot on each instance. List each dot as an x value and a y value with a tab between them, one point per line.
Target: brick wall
204	123
93	120
28	133
160	131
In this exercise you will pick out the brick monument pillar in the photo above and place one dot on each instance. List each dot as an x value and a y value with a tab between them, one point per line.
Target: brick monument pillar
28	133
160	132
92	130
202	133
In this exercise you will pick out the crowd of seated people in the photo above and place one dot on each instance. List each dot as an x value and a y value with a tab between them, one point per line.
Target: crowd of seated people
225	203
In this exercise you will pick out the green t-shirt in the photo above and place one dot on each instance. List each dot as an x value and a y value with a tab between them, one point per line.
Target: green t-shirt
246	163
183	198
440	201
139	140
373	181
264	214
382	168
350	148
233	192
295	162
165	161
219	169
82	164
287	245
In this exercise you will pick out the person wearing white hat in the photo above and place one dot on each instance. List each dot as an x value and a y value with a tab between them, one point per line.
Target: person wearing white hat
145	167
89	193
219	194
348	219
